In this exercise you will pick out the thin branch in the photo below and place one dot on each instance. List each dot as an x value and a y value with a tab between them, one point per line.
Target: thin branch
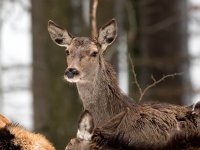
93	19
135	76
155	82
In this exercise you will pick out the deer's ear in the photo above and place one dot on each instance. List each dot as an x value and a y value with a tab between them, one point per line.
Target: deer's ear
3	121
86	126
107	34
196	108
59	35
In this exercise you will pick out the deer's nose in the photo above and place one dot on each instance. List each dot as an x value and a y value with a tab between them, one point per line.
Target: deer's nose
71	72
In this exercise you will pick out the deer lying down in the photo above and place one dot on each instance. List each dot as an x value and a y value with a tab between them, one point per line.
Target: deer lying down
14	137
89	137
105	138
149	124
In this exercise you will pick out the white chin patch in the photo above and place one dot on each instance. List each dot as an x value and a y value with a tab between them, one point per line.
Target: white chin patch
73	80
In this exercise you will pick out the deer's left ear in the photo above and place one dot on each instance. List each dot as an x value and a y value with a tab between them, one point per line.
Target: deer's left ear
107	34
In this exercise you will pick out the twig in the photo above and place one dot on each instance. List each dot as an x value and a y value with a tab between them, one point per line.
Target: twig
93	19
155	82
135	76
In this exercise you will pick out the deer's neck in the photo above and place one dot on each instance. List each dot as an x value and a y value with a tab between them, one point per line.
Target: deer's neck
102	96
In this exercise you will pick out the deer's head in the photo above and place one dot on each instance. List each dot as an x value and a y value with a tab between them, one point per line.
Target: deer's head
82	53
93	138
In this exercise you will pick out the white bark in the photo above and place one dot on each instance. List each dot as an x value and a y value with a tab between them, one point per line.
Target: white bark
1	22
194	48
122	49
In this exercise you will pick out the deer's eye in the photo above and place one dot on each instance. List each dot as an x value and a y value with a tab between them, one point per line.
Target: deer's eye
94	54
67	52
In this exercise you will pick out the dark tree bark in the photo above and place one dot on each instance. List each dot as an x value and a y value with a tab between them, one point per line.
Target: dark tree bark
108	8
163	47
56	103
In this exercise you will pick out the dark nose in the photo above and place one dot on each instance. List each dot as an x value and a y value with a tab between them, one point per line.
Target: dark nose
71	72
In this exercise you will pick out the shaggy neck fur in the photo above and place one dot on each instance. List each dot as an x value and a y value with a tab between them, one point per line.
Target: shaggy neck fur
102	96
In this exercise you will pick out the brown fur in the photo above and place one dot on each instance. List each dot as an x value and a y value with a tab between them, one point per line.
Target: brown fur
14	137
3	121
106	137
147	124
154	127
97	141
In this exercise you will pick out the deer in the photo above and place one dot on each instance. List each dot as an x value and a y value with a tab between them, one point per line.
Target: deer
95	78
151	124
90	137
15	137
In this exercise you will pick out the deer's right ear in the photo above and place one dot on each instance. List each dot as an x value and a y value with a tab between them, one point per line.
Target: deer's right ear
3	121
59	35
86	126
196	108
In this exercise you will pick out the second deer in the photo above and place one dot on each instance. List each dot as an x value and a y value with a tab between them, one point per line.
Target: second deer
101	138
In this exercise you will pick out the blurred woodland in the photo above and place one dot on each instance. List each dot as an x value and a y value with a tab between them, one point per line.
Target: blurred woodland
154	33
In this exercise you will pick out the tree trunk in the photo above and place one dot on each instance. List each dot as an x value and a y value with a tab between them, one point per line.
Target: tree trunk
56	103
1	88
163	47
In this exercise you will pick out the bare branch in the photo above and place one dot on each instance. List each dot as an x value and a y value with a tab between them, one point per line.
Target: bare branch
135	76
93	19
155	82
152	77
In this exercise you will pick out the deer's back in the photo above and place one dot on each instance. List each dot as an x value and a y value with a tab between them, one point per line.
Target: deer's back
154	125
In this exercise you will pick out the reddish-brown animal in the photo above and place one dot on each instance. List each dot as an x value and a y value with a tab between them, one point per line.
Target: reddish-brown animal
14	137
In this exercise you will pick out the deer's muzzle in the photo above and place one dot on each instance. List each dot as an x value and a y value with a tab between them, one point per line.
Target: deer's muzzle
71	72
